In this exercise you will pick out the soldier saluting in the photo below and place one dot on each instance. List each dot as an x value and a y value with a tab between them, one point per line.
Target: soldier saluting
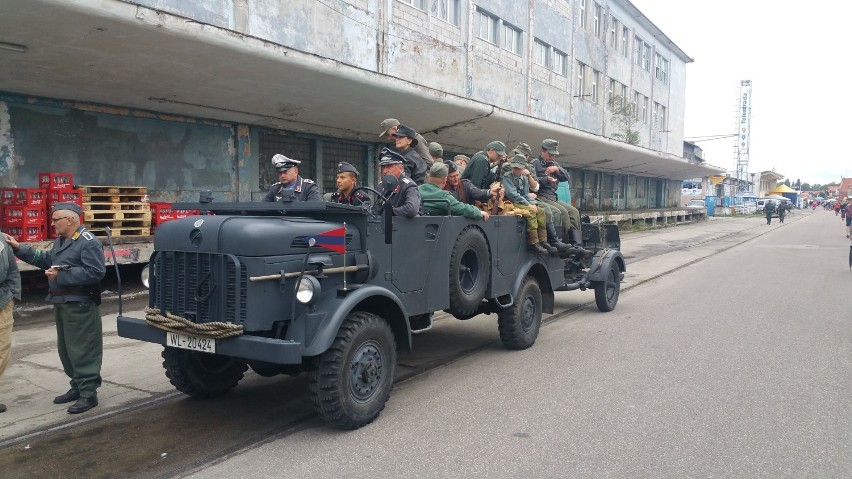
288	178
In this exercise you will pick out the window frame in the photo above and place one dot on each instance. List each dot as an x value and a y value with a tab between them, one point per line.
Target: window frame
596	78
581	81
625	41
563	62
517	36
540	46
453	10
597	19
613	32
491	21
582	16
418	4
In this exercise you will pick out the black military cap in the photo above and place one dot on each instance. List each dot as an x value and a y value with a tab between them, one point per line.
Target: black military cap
344	167
69	206
389	157
403	130
451	166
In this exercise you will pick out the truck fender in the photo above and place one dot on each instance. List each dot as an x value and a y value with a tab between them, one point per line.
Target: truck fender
374	299
601	261
538	270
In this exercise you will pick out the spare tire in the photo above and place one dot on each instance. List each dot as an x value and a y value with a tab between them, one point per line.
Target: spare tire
470	268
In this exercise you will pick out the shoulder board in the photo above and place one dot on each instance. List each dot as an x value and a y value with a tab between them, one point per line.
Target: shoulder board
277	183
406	180
305	180
76	235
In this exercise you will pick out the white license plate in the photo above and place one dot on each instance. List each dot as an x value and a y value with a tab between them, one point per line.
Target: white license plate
177	340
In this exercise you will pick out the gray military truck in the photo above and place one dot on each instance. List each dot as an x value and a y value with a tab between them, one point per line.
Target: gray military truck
270	286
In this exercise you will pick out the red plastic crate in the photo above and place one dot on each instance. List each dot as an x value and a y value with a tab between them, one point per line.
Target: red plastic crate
184	213
30	233
23	197
66	195
161	212
52	180
24	216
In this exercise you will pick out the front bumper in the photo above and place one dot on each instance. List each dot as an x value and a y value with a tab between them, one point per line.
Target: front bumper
256	348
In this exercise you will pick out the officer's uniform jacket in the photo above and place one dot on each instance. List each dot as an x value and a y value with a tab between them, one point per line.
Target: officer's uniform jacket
428	191
467	193
405	199
546	190
355	199
305	190
415	167
85	256
517	189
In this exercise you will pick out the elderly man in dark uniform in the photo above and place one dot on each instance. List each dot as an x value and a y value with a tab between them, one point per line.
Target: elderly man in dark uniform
288	178
404	198
74	268
406	140
347	181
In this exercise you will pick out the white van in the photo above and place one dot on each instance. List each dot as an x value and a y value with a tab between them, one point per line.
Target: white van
761	203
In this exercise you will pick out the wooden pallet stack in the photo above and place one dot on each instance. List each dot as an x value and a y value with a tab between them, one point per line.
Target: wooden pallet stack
124	209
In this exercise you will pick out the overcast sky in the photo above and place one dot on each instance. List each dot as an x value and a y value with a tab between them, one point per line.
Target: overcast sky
794	54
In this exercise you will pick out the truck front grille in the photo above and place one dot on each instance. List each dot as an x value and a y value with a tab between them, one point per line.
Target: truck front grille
201	287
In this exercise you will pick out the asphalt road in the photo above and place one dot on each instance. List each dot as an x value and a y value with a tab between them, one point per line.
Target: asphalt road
729	365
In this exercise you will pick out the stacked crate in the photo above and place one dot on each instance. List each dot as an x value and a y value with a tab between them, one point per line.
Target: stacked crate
124	209
24	213
58	188
162	212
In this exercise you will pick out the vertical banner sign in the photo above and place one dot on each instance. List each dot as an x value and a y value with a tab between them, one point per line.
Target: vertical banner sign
745	116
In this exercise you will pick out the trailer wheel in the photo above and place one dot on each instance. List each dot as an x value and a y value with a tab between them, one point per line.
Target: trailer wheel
353	378
470	268
201	375
607	291
519	324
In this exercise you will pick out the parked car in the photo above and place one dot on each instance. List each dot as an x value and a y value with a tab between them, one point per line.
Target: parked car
696	204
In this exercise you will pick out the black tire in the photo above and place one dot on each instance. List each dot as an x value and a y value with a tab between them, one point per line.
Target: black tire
519	324
470	268
354	377
607	291
202	375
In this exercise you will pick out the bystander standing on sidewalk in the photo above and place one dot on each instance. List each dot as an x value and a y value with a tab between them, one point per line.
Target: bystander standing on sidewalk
10	290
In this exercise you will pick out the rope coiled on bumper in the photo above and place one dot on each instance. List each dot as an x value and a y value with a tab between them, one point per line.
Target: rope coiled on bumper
176	324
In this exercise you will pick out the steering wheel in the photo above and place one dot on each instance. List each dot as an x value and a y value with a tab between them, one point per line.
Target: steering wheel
376	203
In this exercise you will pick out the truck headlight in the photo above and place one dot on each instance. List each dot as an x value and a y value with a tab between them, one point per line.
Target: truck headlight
308	290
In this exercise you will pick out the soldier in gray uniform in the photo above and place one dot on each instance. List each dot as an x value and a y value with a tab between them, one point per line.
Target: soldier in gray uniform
288	178
74	268
405	197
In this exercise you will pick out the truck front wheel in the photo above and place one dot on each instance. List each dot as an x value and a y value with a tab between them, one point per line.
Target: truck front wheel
519	324
353	378
201	375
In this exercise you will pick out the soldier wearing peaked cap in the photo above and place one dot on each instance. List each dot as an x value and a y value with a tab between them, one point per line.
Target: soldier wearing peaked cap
389	127
347	181
74	268
404	198
288	178
415	166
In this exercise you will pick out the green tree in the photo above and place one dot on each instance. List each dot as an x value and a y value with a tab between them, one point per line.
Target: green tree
623	119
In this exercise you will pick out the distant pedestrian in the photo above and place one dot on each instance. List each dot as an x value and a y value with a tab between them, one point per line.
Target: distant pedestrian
836	208
10	290
782	210
768	210
74	268
843	210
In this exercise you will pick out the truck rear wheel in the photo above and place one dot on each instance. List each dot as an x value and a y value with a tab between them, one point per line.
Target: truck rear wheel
353	379
607	291
519	324
470	268
201	375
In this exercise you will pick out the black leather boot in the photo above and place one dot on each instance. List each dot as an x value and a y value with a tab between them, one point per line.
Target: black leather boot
575	237
553	240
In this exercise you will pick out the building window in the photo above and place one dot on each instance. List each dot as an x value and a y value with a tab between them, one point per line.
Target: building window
610	92
447	10
637	99
596	79
625	40
581	82
659	116
415	3
487	26
598	20
644	109
583	4
613	33
661	68
560	62
646	58
624	92
637	50
541	53
511	39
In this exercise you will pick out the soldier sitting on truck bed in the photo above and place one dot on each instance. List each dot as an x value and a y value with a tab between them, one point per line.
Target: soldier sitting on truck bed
433	190
463	190
347	180
517	189
288	178
405	197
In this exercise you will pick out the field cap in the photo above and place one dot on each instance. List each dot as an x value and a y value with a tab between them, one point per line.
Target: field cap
551	146
498	146
518	161
435	149
387	124
438	170
69	206
523	148
344	167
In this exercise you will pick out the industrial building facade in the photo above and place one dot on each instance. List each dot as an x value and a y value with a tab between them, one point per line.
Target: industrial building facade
183	96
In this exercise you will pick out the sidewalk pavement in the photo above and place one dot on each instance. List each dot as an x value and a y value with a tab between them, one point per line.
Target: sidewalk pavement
133	376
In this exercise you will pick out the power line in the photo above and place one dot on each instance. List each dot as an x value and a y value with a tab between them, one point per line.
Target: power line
696	139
